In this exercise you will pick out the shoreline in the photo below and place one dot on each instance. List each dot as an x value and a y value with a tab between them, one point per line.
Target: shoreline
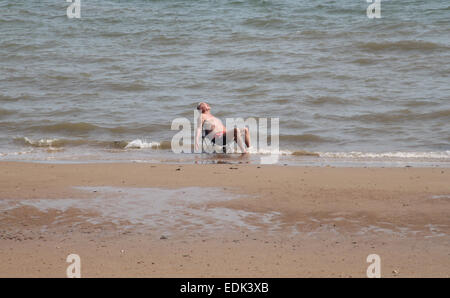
306	160
216	220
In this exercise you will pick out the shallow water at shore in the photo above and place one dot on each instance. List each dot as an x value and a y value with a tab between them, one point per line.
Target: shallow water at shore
301	158
185	210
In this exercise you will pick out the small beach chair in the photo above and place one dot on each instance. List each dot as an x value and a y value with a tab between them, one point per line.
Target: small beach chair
209	144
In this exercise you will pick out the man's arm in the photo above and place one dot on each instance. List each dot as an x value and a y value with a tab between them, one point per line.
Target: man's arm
198	132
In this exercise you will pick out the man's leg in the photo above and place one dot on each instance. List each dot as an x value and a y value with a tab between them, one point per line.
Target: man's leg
247	137
238	139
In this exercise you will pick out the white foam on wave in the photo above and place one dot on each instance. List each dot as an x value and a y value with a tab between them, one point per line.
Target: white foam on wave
41	142
142	144
441	155
52	145
397	155
253	150
16	153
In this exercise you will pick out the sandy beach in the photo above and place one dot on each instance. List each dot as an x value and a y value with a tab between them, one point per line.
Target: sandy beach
222	220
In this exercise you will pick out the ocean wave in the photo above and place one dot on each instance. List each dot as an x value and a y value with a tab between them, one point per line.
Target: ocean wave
436	155
401	115
322	100
304	153
165	40
84	128
59	143
77	127
389	117
289	77
121	34
51	143
15	153
389	155
4	97
396	155
254	150
313	33
403	45
42	142
305	138
420	103
401	155
128	86
4	112
143	144
364	61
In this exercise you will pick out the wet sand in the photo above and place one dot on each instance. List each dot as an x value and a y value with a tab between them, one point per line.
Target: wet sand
155	220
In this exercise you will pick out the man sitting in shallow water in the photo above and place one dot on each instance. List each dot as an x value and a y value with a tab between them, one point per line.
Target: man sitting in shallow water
216	131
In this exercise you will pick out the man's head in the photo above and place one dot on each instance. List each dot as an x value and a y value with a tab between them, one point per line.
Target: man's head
203	107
